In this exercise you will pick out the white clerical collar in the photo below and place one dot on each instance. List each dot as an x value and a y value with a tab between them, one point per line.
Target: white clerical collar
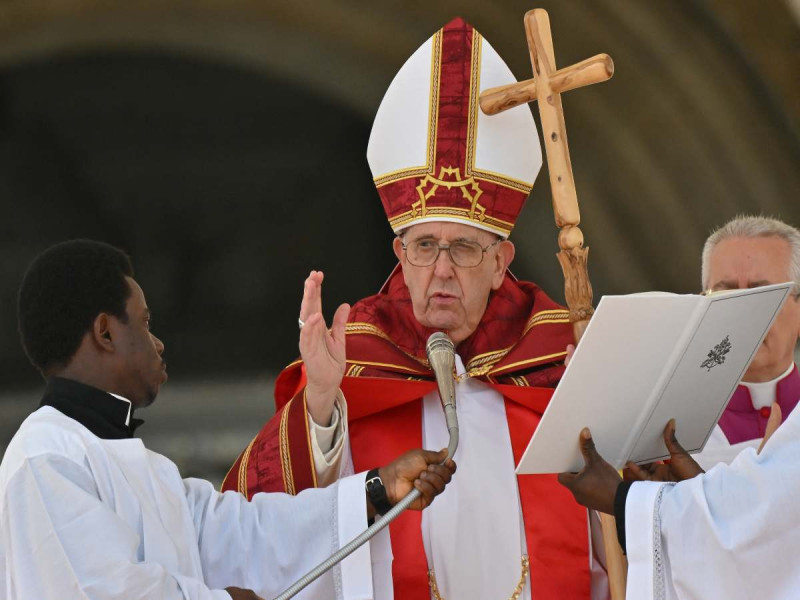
130	405
764	393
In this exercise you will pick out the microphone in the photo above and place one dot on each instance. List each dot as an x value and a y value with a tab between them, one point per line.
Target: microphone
441	356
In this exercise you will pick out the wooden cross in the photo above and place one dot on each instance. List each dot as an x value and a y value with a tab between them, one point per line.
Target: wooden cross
546	87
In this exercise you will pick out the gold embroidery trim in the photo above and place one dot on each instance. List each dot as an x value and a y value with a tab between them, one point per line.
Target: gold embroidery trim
482	363
299	361
472	115
433	107
500	179
478	174
486	369
391	366
359	327
400	174
530	361
242	479
429	185
355	370
546	317
487	357
286	458
479	365
455	213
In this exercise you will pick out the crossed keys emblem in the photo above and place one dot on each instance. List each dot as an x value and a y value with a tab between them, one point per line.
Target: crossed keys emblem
469	189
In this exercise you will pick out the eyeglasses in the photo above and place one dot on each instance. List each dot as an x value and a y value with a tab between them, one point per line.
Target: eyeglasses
423	253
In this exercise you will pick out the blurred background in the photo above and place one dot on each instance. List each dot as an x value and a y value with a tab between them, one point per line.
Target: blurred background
222	144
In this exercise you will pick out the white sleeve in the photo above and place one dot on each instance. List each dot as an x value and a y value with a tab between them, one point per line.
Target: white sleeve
60	539
730	533
270	542
328	443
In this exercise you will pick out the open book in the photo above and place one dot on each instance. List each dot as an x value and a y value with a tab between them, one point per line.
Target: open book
647	358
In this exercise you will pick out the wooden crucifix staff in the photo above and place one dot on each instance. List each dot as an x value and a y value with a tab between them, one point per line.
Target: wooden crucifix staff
546	87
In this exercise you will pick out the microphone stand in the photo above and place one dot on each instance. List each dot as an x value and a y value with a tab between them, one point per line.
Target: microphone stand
380	522
351	546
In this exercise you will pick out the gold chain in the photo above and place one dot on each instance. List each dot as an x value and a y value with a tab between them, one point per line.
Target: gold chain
517	590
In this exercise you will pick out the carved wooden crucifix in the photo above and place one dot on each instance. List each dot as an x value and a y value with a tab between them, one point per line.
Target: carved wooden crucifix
546	87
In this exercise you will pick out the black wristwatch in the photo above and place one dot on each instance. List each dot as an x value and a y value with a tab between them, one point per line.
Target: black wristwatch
377	493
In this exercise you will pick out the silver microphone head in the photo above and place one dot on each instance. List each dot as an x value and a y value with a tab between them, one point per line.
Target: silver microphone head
440	342
441	356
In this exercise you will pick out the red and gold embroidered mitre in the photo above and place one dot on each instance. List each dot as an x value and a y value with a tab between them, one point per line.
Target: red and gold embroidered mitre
435	156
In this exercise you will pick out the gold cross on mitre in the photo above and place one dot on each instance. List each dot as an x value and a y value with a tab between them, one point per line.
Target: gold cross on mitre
546	87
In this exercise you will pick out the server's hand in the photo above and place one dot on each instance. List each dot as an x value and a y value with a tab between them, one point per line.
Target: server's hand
680	466
596	484
420	469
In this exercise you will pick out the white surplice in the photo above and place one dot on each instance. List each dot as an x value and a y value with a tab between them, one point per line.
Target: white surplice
83	517
729	534
474	533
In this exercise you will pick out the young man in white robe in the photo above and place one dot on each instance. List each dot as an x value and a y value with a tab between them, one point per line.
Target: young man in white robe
86	511
749	251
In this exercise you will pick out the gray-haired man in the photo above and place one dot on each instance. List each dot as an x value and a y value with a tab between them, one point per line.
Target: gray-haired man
746	252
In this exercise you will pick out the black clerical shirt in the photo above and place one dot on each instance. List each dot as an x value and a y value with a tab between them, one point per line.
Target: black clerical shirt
100	412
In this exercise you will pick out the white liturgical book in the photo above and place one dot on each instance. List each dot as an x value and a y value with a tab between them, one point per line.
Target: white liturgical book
647	358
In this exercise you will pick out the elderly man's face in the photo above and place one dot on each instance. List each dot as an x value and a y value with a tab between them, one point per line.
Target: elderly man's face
739	263
445	296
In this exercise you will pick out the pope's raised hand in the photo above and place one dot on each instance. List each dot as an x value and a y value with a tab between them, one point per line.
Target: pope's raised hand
322	350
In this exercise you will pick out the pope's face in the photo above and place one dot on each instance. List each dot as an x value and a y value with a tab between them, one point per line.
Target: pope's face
445	296
139	364
738	263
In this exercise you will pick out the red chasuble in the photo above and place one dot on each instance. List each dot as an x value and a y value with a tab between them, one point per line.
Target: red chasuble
518	349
